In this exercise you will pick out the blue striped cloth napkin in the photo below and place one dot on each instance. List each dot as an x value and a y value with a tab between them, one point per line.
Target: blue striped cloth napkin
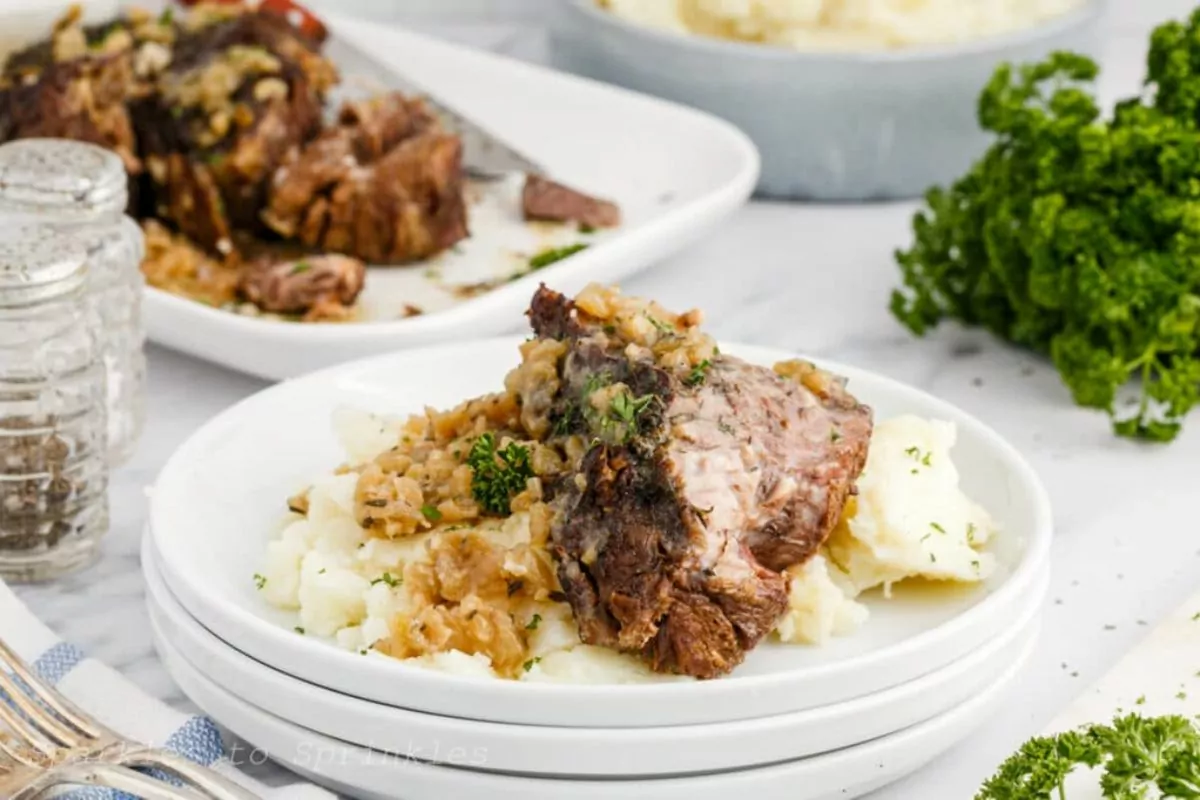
123	707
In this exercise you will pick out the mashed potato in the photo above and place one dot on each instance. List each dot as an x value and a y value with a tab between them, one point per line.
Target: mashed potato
841	24
909	520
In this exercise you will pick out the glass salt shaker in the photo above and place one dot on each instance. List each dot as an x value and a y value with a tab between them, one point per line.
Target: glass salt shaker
53	409
82	190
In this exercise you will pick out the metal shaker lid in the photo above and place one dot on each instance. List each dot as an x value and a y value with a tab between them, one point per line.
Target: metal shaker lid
57	175
38	264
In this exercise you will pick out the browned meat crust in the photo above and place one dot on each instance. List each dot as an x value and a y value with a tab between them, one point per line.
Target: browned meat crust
385	185
82	99
546	200
672	540
239	95
296	287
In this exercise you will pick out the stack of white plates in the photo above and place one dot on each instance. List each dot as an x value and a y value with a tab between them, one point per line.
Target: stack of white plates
793	722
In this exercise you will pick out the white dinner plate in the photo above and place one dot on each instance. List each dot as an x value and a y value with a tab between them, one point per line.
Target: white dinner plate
591	752
359	772
675	172
221	498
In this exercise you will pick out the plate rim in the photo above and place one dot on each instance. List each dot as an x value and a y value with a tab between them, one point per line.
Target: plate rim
1021	638
231	616
962	720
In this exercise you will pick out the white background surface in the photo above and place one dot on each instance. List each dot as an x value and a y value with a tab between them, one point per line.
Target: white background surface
815	279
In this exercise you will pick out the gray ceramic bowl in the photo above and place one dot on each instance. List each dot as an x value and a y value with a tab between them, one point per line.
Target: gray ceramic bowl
830	126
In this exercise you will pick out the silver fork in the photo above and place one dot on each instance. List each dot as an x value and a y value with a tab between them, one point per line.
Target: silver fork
60	781
52	732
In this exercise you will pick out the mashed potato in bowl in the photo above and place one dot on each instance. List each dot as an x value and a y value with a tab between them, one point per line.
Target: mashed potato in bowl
841	24
390	554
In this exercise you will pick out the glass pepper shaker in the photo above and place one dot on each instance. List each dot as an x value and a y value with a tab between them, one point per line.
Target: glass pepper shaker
53	410
82	190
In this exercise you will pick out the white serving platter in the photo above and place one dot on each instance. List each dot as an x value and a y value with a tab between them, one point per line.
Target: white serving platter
587	752
676	173
220	499
374	775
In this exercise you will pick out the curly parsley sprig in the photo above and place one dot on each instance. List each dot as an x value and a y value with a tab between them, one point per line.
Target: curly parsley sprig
498	475
1135	755
1079	236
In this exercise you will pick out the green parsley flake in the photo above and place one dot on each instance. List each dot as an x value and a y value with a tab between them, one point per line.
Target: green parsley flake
431	513
300	268
259	581
662	327
699	373
554	254
533	623
627	409
389	579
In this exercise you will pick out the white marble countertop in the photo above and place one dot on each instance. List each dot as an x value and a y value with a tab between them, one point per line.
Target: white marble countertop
815	279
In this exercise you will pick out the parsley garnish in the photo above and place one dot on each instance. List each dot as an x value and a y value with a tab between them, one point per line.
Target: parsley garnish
1069	236
300	268
626	408
431	513
499	476
167	17
554	254
698	373
259	581
664	328
563	425
299	630
528	665
1136	756
533	623
835	435
937	527
389	579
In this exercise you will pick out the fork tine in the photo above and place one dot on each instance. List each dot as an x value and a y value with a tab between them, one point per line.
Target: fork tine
26	732
204	779
47	722
125	780
20	753
50	696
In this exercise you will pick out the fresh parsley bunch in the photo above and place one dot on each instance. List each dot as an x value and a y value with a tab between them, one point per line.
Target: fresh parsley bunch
1079	236
1139	758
